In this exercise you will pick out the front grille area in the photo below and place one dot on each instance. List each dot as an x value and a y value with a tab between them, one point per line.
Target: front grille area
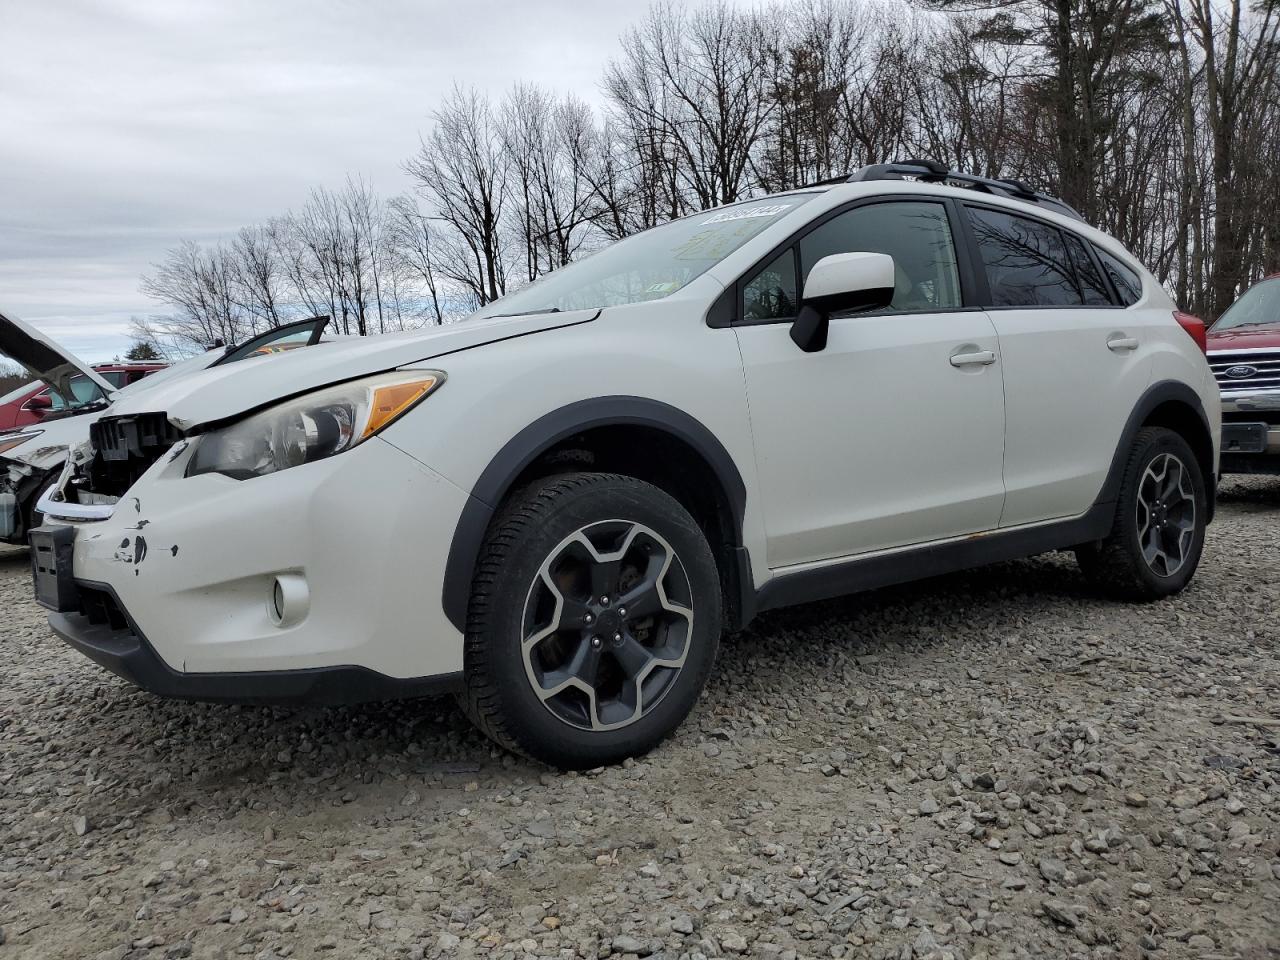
1249	371
125	448
1271	417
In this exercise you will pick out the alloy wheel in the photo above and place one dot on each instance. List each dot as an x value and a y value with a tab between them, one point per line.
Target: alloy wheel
607	624
1166	514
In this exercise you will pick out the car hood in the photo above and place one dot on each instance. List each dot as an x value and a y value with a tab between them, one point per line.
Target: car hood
227	391
1245	338
43	358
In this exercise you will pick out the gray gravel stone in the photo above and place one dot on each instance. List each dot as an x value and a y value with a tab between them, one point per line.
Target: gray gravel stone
1025	719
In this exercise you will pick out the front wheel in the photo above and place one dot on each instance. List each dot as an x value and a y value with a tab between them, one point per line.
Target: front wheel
1158	532
593	623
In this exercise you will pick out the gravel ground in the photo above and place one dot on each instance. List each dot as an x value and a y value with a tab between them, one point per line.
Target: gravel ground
986	765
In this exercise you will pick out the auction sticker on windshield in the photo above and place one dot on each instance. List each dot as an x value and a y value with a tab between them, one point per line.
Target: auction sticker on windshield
765	210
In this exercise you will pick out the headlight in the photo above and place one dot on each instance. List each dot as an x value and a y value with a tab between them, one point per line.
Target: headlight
313	426
7	443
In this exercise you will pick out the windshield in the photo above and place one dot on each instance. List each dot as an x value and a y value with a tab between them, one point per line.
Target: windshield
83	392
649	265
1257	306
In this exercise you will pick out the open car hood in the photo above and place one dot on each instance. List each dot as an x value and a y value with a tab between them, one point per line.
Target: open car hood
43	358
225	392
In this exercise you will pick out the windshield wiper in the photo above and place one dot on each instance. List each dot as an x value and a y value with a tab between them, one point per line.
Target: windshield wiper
524	313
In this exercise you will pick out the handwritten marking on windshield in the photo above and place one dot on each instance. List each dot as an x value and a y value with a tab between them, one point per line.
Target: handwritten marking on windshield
768	210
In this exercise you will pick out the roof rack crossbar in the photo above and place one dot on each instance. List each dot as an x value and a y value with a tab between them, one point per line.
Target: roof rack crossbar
930	171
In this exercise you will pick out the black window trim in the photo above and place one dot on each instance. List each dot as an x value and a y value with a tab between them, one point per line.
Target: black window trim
1091	251
1089	245
1097	252
728	308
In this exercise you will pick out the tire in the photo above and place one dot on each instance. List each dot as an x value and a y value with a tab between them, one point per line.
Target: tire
541	625
1137	562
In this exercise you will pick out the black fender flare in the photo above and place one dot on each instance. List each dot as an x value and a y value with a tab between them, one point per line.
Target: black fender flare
525	447
1159	393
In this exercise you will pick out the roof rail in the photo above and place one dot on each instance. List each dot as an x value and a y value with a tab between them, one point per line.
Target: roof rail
930	171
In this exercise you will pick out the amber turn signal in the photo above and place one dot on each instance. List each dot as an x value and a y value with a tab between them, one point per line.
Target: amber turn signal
392	400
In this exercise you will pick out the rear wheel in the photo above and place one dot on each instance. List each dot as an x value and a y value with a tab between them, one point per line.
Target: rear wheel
593	623
1158	532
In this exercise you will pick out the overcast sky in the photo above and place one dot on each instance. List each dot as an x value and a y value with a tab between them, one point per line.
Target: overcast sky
128	125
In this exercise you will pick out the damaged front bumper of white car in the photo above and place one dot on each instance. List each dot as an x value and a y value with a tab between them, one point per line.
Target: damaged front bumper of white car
310	587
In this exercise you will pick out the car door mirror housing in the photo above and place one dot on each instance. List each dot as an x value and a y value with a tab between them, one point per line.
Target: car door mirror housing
38	404
840	283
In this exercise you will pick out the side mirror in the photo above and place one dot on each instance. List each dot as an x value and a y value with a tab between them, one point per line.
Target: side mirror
840	283
38	404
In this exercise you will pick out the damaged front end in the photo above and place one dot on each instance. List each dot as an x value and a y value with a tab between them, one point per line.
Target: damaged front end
120	450
21	482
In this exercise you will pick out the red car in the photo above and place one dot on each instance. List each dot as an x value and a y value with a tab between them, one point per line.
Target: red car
1244	353
33	402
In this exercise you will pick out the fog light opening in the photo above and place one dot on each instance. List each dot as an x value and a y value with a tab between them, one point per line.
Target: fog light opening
288	599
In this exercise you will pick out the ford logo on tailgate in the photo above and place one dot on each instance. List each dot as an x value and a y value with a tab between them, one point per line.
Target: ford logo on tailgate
1240	371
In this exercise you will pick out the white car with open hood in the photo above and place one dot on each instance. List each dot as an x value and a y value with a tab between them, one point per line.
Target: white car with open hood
555	508
32	456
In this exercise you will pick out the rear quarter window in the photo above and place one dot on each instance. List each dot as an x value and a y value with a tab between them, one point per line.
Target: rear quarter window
1126	280
1092	285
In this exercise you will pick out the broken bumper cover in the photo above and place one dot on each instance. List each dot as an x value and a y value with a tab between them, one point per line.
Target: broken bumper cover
175	590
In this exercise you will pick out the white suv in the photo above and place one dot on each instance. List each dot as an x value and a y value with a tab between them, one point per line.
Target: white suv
555	508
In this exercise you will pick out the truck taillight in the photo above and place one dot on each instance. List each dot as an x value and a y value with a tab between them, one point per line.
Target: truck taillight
1195	327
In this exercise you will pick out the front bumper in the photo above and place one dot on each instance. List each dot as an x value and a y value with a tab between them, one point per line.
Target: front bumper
125	652
1251	431
189	566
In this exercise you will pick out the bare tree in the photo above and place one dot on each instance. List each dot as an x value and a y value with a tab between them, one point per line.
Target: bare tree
413	243
1241	64
694	86
258	276
1158	119
200	285
463	170
550	144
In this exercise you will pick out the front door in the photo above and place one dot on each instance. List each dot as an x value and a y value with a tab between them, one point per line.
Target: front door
894	433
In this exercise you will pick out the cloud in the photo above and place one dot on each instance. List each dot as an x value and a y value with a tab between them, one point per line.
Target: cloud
146	122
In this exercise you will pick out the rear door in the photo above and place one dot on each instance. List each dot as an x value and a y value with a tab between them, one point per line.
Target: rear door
1075	361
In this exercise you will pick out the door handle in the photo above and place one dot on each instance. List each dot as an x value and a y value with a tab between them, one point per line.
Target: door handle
1119	344
983	357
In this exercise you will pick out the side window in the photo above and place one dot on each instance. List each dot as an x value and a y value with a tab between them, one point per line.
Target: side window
918	237
1128	283
114	377
1092	286
1026	261
771	294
